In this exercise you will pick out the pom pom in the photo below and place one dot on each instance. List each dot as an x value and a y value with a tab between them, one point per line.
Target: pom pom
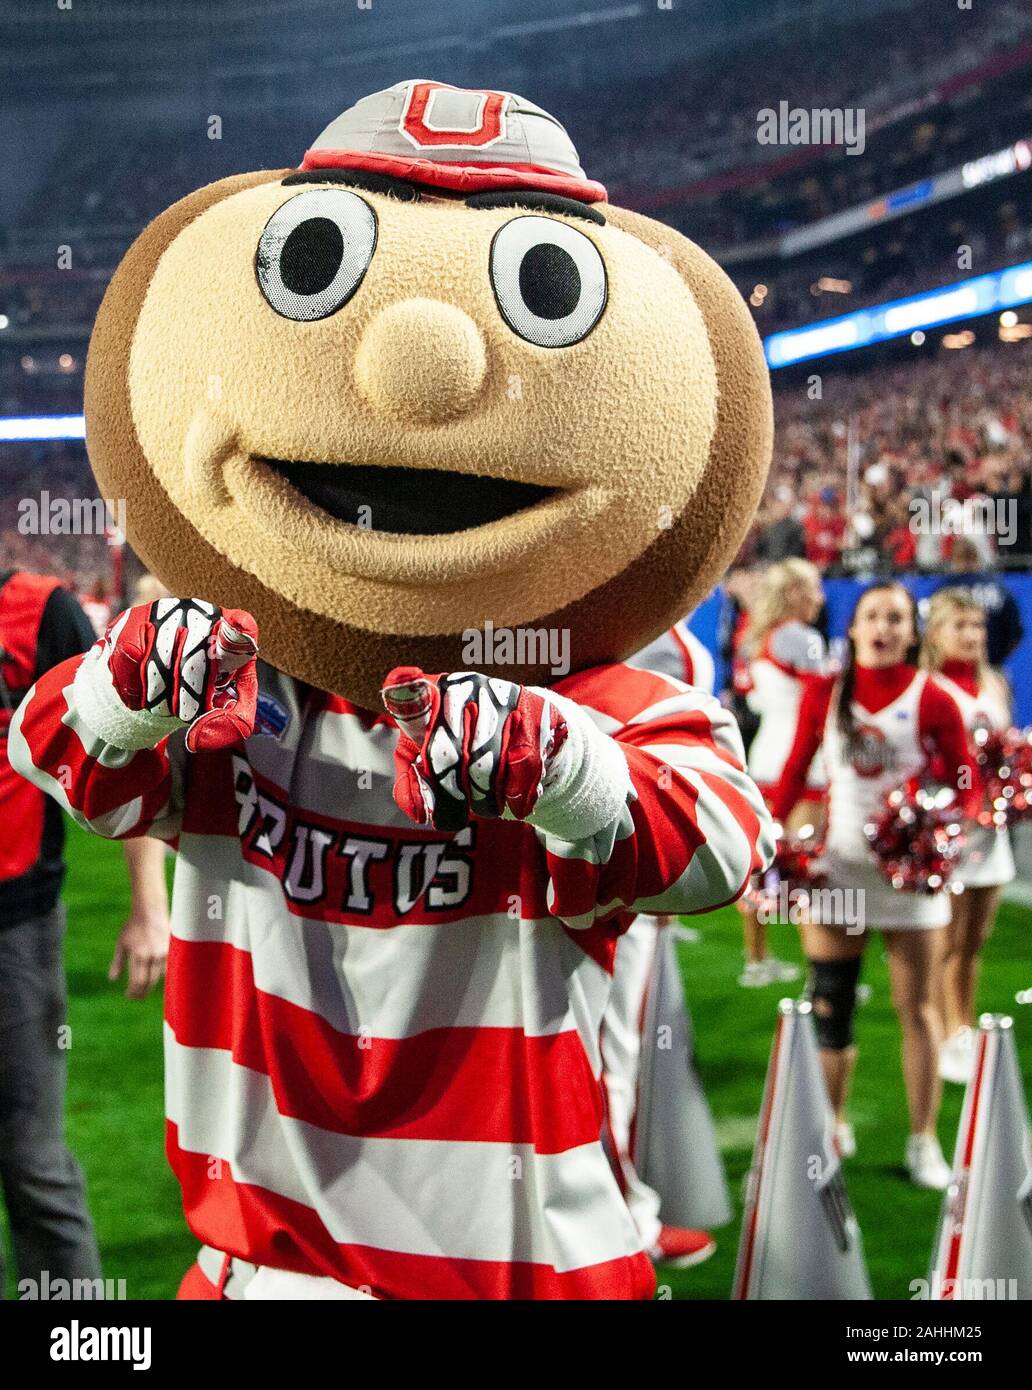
793	874
918	838
1005	760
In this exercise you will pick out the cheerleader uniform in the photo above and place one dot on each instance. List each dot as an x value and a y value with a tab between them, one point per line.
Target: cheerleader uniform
791	655
988	861
902	719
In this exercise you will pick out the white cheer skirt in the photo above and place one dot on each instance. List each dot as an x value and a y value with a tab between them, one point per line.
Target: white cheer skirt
988	861
869	899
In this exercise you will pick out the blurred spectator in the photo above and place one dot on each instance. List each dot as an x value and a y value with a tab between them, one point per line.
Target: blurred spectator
97	605
1004	628
781	535
741	587
825	528
944	445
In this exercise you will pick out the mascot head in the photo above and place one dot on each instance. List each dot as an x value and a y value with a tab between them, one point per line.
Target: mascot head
429	380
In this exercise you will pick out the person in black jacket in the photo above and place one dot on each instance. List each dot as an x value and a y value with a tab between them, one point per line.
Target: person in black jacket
1004	628
781	536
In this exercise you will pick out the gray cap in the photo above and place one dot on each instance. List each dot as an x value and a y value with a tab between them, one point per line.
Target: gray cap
453	138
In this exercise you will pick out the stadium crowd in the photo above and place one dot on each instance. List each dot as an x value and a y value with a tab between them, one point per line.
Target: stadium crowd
36	531
955	426
707	121
699	119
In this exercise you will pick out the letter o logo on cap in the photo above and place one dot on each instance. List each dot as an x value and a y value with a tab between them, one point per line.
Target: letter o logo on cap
438	115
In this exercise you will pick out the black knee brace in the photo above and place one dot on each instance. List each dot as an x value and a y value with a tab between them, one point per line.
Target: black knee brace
833	995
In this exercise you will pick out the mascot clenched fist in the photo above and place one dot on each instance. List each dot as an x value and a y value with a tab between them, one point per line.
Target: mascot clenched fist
370	415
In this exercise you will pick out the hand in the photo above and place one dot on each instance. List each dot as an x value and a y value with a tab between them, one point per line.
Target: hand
189	661
142	945
469	745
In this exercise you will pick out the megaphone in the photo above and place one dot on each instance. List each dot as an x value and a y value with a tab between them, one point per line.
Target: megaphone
983	1245
800	1239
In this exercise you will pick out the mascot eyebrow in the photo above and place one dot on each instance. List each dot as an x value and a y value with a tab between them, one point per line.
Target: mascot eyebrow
531	199
536	201
358	178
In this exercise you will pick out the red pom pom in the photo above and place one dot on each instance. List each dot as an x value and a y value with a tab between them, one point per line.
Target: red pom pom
918	838
1006	764
795	869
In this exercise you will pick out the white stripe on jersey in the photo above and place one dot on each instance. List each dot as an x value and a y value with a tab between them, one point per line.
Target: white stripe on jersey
515	1202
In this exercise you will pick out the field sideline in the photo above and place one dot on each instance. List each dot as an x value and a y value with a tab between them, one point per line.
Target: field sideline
115	1104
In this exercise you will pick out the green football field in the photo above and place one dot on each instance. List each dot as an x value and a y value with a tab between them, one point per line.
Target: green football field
115	1103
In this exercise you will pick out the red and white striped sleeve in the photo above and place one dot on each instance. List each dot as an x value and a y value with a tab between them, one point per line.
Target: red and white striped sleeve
107	790
692	827
678	653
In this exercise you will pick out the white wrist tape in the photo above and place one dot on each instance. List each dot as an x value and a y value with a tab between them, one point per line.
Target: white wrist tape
589	782
99	706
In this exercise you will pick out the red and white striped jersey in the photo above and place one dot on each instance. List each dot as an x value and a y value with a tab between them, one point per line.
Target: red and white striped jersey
983	707
678	652
988	860
382	1041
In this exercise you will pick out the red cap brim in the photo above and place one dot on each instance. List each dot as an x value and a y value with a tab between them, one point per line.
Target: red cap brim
460	178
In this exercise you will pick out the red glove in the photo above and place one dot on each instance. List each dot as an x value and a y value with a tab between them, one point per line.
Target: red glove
470	745
188	660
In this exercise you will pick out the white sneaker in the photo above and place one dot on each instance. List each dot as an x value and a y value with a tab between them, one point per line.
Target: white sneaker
769	971
754	975
781	970
925	1163
845	1139
957	1057
689	935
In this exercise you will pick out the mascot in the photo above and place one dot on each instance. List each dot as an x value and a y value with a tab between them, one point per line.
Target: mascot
446	437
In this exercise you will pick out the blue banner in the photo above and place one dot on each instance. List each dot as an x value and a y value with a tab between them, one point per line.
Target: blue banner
842	595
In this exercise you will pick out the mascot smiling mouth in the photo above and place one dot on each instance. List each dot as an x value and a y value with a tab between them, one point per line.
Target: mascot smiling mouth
407	501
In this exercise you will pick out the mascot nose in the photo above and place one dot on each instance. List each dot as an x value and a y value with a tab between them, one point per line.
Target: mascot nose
421	361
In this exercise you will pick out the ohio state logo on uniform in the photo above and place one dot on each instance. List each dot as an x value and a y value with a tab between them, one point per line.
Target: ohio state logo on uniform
869	751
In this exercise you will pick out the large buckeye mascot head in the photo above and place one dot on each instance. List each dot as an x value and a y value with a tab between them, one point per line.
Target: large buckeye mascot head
429	379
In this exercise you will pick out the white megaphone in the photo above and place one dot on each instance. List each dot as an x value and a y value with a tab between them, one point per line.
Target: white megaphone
675	1148
799	1236
983	1246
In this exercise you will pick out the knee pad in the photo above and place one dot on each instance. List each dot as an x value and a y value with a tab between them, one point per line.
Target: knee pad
833	995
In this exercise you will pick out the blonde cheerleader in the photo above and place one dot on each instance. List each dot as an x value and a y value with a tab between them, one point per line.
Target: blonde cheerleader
785	650
954	648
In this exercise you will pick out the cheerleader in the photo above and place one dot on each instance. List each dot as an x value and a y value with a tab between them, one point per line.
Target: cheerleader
880	722
954	647
785	650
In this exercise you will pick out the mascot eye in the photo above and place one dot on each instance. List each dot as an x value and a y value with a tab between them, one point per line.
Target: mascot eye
549	280
314	252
